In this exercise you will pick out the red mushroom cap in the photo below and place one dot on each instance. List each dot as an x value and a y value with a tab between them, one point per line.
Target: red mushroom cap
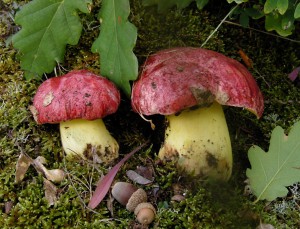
77	95
179	78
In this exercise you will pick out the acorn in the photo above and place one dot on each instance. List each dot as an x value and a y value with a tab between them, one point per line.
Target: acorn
145	213
128	195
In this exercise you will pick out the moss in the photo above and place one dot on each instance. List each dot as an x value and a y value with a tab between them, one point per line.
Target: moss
206	205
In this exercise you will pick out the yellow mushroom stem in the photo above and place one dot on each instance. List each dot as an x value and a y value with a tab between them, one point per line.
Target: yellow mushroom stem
199	140
89	140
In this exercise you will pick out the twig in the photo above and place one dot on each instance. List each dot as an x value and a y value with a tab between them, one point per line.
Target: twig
216	29
260	31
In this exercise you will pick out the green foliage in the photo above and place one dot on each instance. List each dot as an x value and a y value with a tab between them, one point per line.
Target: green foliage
237	1
273	171
227	208
167	4
47	27
297	11
280	15
115	43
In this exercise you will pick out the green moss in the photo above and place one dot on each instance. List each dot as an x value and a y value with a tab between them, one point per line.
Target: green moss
206	205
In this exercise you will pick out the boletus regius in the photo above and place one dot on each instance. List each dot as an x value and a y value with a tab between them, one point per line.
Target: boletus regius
189	85
78	101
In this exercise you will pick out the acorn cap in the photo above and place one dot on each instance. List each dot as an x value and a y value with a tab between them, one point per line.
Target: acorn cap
179	78
145	213
122	191
139	196
79	94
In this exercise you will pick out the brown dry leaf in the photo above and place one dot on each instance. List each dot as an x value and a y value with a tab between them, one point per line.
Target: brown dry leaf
146	171
55	175
137	178
8	206
265	226
50	192
110	206
22	166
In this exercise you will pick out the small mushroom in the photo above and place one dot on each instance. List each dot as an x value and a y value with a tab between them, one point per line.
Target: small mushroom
128	195
188	86
145	213
78	101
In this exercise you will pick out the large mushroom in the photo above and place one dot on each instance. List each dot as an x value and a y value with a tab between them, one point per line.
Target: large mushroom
188	86
78	101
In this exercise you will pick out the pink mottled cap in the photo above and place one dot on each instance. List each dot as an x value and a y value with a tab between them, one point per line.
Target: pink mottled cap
179	78
77	95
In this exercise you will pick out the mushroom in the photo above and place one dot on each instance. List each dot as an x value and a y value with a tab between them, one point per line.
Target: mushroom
189	85
78	101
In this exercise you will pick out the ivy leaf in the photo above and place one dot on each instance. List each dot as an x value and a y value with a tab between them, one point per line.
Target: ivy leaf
254	13
297	11
237	1
47	27
282	24
273	171
282	6
270	5
201	3
115	44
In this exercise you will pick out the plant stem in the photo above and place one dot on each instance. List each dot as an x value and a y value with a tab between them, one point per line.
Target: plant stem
216	29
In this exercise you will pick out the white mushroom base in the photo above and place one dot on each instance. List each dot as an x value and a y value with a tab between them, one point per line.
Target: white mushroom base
200	141
88	140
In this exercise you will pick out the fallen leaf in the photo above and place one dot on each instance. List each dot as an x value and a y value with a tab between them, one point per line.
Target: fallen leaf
294	74
109	205
22	166
105	183
178	198
146	171
8	206
55	175
50	192
137	178
248	62
265	226
271	172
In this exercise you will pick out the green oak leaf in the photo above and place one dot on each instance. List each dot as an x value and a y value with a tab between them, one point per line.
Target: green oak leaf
47	27
271	172
115	44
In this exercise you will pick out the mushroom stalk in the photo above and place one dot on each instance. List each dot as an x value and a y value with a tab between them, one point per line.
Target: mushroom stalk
89	140
199	140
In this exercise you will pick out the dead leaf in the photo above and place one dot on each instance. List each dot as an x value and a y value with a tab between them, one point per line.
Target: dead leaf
22	166
110	206
137	178
8	206
50	192
177	198
55	175
146	171
265	226
248	62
